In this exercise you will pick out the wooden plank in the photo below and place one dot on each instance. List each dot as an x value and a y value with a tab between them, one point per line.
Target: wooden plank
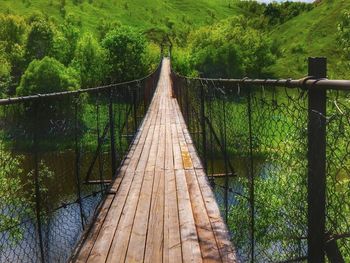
136	246
219	227
207	241
118	248
98	182
120	242
84	252
92	237
137	242
102	245
154	244
172	239
186	157
189	239
176	148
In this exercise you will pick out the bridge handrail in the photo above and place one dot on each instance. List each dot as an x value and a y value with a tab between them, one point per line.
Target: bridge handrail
13	100
305	82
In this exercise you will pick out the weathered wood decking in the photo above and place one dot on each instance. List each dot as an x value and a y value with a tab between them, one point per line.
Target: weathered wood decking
161	208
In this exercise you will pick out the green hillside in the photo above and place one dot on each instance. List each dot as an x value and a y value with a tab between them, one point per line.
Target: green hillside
145	14
312	33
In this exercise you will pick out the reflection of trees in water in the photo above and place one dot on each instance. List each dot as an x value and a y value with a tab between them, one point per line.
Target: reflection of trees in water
12	200
60	212
18	193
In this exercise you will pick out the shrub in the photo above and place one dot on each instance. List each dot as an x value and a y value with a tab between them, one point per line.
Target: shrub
45	76
126	49
90	61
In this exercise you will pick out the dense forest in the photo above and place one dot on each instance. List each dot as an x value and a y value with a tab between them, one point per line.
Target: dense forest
71	42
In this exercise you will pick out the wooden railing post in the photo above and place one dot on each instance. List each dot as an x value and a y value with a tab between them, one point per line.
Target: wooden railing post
316	162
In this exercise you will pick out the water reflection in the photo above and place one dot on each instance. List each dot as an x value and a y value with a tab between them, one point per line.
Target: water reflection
61	214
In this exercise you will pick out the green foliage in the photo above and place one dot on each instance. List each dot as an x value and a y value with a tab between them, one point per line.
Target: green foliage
105	26
126	50
90	61
315	31
18	193
40	40
180	62
12	36
272	14
5	77
65	41
344	35
12	32
152	57
278	13
143	14
45	76
230	49
12	200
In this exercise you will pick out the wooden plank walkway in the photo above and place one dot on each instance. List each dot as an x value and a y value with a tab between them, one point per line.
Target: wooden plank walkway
162	209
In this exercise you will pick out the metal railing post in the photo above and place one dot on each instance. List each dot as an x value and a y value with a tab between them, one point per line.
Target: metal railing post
187	115
134	102
77	161
316	188
99	141
224	144
204	135
37	183
251	177
112	134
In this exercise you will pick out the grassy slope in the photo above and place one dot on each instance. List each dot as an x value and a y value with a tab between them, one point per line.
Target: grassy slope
310	34
144	14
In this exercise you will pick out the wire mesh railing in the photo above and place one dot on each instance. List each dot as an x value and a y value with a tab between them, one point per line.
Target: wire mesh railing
277	155
59	152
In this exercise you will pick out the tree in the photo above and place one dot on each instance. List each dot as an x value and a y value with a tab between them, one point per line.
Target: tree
46	76
66	39
12	202
65	42
90	61
126	49
40	40
5	77
12	31
18	194
230	49
105	26
12	36
344	34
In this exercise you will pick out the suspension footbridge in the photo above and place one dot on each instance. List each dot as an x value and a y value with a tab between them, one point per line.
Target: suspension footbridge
160	208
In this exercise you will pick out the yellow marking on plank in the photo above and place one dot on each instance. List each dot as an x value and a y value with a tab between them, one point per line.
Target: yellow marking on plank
186	159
